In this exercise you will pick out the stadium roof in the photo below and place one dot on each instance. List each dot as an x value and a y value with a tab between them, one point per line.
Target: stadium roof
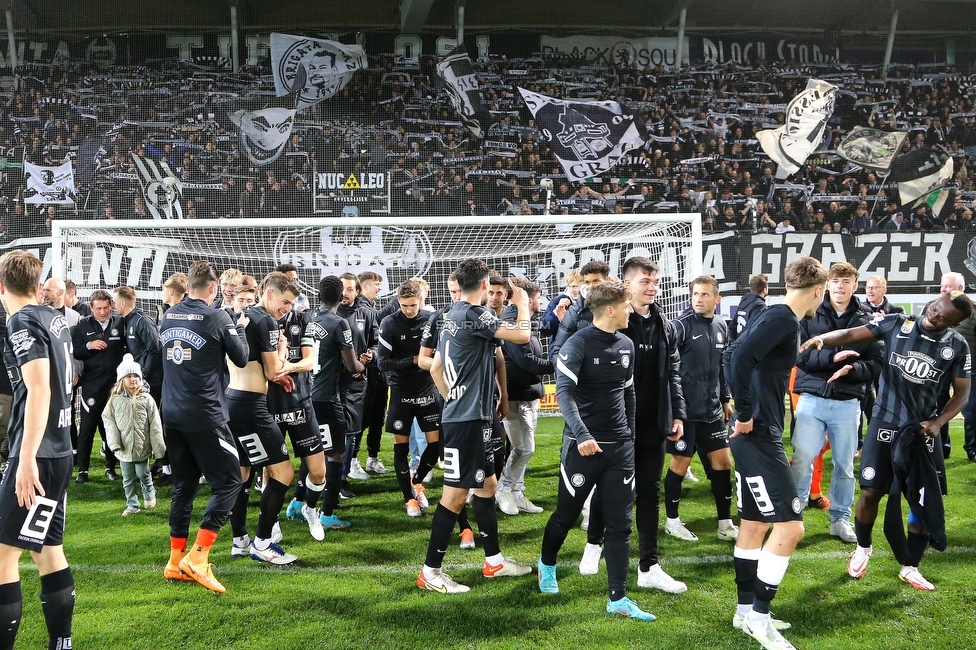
834	18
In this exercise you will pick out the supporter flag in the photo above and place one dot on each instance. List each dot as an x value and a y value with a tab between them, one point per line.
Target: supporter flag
871	148
313	68
588	138
461	84
161	188
49	184
263	133
921	172
806	119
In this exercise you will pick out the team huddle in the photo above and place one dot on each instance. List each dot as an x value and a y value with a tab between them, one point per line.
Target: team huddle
237	370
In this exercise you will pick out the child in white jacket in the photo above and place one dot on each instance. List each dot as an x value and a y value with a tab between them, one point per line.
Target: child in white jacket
134	431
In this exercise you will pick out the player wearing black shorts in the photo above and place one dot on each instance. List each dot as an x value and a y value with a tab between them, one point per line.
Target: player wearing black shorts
259	440
290	404
922	357
195	339
362	322
701	338
595	392
412	394
332	341
758	368
33	494
463	370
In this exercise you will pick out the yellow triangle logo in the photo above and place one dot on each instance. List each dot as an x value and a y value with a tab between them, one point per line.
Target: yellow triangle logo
351	183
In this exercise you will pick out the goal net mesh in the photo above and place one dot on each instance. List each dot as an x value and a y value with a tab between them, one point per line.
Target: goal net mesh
105	255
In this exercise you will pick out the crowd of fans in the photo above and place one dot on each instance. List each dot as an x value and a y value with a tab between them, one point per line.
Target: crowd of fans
701	155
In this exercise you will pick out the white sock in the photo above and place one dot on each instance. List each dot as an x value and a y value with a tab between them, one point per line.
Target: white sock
261	544
725	524
242	541
167	470
742	610
672	522
430	572
495	559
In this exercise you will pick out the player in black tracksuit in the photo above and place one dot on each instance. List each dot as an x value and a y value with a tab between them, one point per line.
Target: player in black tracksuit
595	391
362	322
701	336
660	412
750	306
195	339
413	393
100	345
922	356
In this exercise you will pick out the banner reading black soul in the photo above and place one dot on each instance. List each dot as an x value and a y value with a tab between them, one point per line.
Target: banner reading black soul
913	263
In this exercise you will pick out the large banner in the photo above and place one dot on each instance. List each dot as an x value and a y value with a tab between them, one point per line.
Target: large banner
619	51
49	184
352	195
462	86
754	47
313	68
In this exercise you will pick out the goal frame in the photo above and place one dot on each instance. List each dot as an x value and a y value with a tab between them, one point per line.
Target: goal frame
58	242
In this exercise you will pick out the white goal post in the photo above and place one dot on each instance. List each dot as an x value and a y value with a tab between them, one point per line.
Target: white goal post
144	253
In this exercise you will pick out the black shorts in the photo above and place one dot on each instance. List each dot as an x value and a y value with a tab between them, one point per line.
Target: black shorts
876	470
703	437
402	410
259	441
764	483
332	425
465	446
43	524
303	429
353	397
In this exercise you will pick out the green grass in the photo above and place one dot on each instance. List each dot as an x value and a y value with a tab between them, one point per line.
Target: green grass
356	589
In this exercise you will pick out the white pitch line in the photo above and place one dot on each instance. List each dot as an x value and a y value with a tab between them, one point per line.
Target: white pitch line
236	567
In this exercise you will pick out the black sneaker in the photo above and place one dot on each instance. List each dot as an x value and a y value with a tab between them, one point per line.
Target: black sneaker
345	492
164	479
82	477
110	474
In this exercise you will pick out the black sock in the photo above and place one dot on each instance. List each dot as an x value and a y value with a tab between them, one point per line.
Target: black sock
11	610
312	492
441	527
58	603
462	518
863	532
484	514
722	492
401	466
427	461
300	492
763	594
672	493
333	481
745	579
272	501
917	542
617	554
238	516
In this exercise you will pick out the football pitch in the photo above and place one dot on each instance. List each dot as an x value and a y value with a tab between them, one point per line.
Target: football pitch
356	589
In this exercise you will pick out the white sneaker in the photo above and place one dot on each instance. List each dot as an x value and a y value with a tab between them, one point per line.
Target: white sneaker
313	517
842	528
506	502
524	505
274	554
413	508
656	578
441	583
675	528
356	471
420	494
761	629
276	532
729	534
241	551
911	575
858	564
508	567
689	477
590	564
738	621
376	466
429	477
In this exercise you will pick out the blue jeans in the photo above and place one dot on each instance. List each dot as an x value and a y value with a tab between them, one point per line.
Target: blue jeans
838	421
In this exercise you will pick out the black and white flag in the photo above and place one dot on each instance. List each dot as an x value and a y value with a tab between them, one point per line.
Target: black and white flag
806	118
313	68
919	173
871	148
461	84
49	184
264	132
588	138
161	188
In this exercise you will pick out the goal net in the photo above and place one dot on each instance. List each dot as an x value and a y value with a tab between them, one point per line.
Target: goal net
143	254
